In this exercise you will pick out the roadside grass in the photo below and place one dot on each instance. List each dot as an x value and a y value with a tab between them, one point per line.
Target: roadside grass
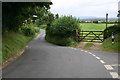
61	41
107	44
12	43
93	26
88	45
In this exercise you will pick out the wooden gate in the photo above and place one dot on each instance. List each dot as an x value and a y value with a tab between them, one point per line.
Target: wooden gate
90	36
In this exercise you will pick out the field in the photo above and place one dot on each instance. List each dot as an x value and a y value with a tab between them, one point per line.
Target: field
93	26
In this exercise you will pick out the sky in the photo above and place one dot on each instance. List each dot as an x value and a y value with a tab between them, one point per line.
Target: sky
85	8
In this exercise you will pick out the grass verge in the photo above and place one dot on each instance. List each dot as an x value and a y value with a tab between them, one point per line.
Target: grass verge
88	45
12	43
108	46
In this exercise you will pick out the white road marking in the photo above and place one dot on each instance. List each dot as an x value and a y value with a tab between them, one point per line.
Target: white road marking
86	51
108	67
82	50
90	53
93	55
115	65
72	48
102	61
97	57
114	74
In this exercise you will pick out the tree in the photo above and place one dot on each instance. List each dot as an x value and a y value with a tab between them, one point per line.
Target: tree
95	21
14	14
64	26
57	16
118	17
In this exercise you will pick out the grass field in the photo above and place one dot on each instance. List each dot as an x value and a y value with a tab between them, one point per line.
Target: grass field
93	26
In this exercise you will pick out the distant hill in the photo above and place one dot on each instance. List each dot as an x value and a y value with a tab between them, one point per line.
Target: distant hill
98	18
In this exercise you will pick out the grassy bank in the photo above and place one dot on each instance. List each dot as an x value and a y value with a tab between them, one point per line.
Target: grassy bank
12	43
107	44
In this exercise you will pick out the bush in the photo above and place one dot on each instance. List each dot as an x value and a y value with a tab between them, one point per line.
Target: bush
63	26
61	41
28	30
62	31
115	29
95	21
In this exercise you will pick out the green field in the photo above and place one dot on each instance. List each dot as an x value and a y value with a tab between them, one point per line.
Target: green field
93	26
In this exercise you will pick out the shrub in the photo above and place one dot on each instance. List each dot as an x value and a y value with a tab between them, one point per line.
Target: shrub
95	21
58	40
28	30
62	31
63	26
115	29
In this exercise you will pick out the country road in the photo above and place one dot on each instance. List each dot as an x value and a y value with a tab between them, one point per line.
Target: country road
45	60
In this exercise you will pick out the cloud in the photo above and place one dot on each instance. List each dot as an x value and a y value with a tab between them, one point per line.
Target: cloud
85	7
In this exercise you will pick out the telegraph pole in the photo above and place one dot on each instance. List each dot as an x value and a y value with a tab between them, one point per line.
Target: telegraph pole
106	20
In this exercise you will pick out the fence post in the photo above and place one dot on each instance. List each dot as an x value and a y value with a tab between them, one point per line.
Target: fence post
103	35
76	35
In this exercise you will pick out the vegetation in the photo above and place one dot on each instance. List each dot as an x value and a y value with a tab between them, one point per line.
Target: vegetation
13	42
88	45
29	29
62	31
107	44
112	29
22	24
21	12
43	26
93	26
95	21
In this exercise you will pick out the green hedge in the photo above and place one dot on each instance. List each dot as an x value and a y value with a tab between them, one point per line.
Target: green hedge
62	31
63	26
115	29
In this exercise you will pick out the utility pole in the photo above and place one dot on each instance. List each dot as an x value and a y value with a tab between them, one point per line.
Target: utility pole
106	20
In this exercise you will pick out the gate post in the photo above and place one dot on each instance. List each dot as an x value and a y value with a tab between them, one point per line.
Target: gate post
77	35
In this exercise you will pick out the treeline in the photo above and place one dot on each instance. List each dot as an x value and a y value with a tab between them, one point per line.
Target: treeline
14	14
98	21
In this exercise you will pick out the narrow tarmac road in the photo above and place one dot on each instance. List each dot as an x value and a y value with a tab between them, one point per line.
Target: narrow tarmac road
45	60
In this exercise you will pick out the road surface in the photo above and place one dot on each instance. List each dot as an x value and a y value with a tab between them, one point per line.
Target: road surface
45	60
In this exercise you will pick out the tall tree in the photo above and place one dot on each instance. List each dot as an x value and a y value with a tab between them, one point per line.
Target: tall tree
14	13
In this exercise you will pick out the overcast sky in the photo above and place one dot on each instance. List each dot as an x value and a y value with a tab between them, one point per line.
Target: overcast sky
78	8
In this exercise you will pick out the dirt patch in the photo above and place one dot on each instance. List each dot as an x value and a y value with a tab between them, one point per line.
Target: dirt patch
95	46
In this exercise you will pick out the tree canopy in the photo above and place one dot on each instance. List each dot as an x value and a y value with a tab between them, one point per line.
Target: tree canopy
14	13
